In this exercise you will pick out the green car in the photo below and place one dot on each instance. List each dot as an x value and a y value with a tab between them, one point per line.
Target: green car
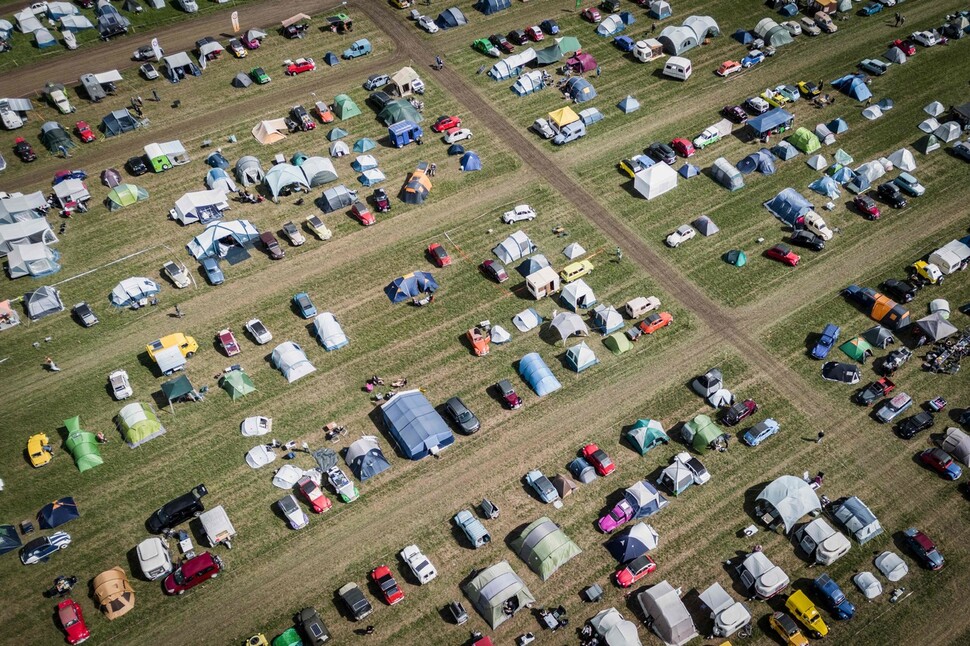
260	76
485	46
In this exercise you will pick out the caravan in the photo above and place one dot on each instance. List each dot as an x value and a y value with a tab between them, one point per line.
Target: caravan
165	155
678	67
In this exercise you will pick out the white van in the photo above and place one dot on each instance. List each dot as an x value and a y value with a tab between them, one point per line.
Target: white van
678	67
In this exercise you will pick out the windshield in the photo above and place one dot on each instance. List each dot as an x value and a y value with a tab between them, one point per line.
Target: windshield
178	577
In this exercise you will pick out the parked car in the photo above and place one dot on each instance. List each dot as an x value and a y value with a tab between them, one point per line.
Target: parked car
357	49
867	206
753	57
534	33
906	45
439	255
210	266
23	150
258	331
924	38
271	245
621	513
962	150
923	548
461	415
356	602
446	122
42	548
518	37
259	76
909	427
362	213
485	46
635	570
757	105
825	23
148	71
71	618
739	411
900	290
809	27
316	227
710	135
550	27
304	305
84	132
890	409
427	23
120	385
137	166
299	66
761	432
735	113
661	152
683	147
683	233
833	598
419	564
787	629
542	486
774	99
808	89
871	9
314	630
941	462
495	271
591	14
236	48
177	273
727	68
874	66
502	43
783	254
909	184
507	392
576	270
522	212
177	511
313	494
192	572
802	608
381	200
376	81
292	511
457	612
542	128
302	119
392	592
807	239
346	490
455	135
792	27
655	321
875	390
599	459
826	341
84	314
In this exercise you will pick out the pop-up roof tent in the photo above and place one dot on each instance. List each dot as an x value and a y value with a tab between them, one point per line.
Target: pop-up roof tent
821	542
317	170
654	181
606	319
25	232
518	245
410	286
269	132
451	17
646	434
9	539
237	384
32	259
805	140
544	547
857	519
488	7
82	446
54	137
498	593
853	85
112	24
789	206
200	206
57	513
42	302
291	360
666	614
633	543
725	174
132	290
179	66
645	499
337	197
329	332
613	629
219	236
124	195
248	171
415	426
19	207
139	424
729	615
677	39
787	500
365	458
537	374
283	177
119	122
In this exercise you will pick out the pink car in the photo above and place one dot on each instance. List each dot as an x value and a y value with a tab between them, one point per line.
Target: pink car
622	513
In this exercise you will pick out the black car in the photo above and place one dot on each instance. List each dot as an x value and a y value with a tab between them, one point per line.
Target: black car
735	112
302	118
24	150
85	315
900	290
612	6
909	427
381	201
177	511
463	418
379	99
314	630
356	602
807	239
137	166
661	152
518	37
502	43
891	195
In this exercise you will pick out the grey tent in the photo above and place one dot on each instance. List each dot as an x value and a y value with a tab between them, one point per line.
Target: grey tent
858	520
826	186
498	593
579	89
879	337
532	264
895	55
628	104
33	259
667	615
788	206
42	302
934	327
318	170
336	133
545	547
415	426
784	150
517	245
337	197
957	444
220	236
614	630
248	171
705	226
762	161
55	137
568	324
678	39
283	177
450	18
25	232
242	80
725	174
703	27
582	470
179	66
786	500
633	543
365	458
488	7
118	122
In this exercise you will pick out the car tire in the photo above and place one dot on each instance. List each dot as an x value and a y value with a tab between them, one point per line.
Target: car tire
189	355
64	546
166	166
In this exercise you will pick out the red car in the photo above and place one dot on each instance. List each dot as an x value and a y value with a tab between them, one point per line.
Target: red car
597	457
783	254
438	255
591	14
192	572
446	123
84	132
655	321
534	33
363	215
682	147
941	462
72	621
509	396
867	206
635	570
385	580
311	492
299	66
908	47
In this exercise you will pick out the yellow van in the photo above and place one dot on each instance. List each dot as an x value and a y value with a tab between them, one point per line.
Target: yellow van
575	271
186	344
806	613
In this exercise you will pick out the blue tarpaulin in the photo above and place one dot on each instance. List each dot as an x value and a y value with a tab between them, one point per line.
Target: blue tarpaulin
770	120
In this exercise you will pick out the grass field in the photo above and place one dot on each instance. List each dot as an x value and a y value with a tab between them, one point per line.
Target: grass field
272	572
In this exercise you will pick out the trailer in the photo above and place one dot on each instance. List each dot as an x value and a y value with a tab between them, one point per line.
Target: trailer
216	527
166	155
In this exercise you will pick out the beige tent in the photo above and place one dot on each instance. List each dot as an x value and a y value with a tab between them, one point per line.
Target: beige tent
269	132
295	19
112	593
403	81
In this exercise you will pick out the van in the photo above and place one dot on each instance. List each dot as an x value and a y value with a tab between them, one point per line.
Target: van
678	68
575	271
640	305
192	572
570	132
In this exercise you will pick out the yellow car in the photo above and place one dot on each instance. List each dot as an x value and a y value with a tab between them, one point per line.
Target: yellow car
35	449
806	613
787	629
186	344
575	271
808	89
319	229
774	99
256	640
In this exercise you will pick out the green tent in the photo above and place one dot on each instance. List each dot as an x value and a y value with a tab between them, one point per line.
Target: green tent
701	432
857	349
397	111
82	446
549	55
237	383
336	133
124	195
805	140
139	424
9	539
344	107
289	638
568	45
618	343
178	388
493	588
545	547
736	257
646	434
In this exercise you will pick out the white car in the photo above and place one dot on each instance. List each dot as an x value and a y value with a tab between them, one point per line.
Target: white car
925	38
61	102
419	564
120	386
518	214
177	273
793	27
683	233
710	135
809	27
258	331
543	129
154	558
457	134
256	425
295	515
757	104
815	224
38	8
148	71
427	23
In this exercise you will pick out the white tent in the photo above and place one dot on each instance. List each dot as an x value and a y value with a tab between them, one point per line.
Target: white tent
218	179
868	585
871	171
957	444
729	615
580	357
903	160
934	109
929	125
573	250
667	615
363	162
290	359
528	83
518	245
512	65
71	190
787	499
132	290
210	48
219	236
200	206
948	131
26	232
282	176
817	162
568	324
329	332
872	113
17	207
577	295
339	148
892	566
655	181
42	302
526	320
319	170
75	23
895	55
614	630
32	259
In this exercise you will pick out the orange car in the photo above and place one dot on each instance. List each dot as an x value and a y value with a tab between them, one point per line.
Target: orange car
480	341
655	321
728	67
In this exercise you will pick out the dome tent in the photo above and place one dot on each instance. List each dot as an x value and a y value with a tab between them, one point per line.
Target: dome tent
365	458
544	547
495	590
132	290
344	107
646	434
248	171
633	543
139	424
580	357
470	162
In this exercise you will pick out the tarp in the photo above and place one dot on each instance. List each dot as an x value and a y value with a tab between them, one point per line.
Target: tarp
544	547
82	446
667	615
139	424
32	259
633	543
42	302
537	374
411	285
132	290
645	434
54	514
365	458
125	195
495	589
654	181
789	499
415	426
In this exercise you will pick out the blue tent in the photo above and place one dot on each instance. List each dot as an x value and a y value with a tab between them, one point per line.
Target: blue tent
365	459
743	36
371	177
217	160
456	149
628	104
415	426
689	170
859	184
298	158
532	264
363	145
414	284
853	85
788	206
838	126
631	544
579	89
488	7
843	175
826	186
537	374
330	59
470	162
660	9
789	10
450	18
55	514
9	539
762	161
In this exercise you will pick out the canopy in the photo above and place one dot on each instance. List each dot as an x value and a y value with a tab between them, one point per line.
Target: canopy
497	589
42	302
580	357
290	359
544	547
414	425
237	383
789	499
654	181
365	458
131	290
563	116
935	327
410	286
645	434
124	195
667	615
54	514
633	543
329	332
537	374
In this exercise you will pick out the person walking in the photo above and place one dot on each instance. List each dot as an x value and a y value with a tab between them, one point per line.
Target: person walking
821	436
619	254
897	16
178	311
433	169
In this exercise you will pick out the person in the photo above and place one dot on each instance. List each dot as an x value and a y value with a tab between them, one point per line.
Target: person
653	28
619	254
49	362
433	169
178	311
101	437
868	102
897	18
598	71
369	630
902	19
821	436
818	478
155	96
438	63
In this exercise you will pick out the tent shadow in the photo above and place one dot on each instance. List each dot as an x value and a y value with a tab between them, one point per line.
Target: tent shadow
729	566
148	364
160	401
133	565
513	534
750	500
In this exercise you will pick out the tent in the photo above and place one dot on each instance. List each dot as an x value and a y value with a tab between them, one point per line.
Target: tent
344	107
842	157
577	295
415	426
526	320
365	458
871	171
614	630
270	132
879	337
9	539
700	432
219	180
329	332
784	150
871	113
838	126
330	59
957	444
688	170
248	171
705	226
628	104
736	257
291	360
618	343
725	174
113	594
19	207
660	9
895	55
934	109
25	232
450	18
948	131
573	250
405	81
677	39
772	33
857	519
929	125
339	149
528	83
762	161
666	614
42	302
132	290
843	175
241	80
934	327
606	319
633	543
316	170
645	499
853	85
220	236
817	162
565	486
470	162
54	514
789	206
544	547
203	207
654	181
412	285
498	593
237	383
418	186
903	160
110	177
364	145
729	615
371	177
337	197
118	122
518	245
927	144
568	324
54	137
82	446
537	374
826	186
787	500
397	111
336	133
580	357
124	195
488	7
743	36
285	177
582	470
43	39
179	389
531	265
33	259
568	45
139	424
512	65
612	24
805	141
646	434
579	89
857	349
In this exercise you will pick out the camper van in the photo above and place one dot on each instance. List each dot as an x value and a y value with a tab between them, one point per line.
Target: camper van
570	132
678	67
165	155
648	50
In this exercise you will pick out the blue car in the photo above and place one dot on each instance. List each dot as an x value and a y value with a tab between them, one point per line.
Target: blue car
754	57
761	432
304	305
212	272
871	9
40	549
623	43
833	598
826	341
